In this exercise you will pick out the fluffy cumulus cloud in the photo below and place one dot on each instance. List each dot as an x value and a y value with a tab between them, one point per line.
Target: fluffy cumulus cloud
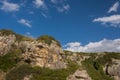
40	4
114	8
9	7
101	46
113	20
25	22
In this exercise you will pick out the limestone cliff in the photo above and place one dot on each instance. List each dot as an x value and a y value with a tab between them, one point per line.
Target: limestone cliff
36	53
114	69
44	59
6	43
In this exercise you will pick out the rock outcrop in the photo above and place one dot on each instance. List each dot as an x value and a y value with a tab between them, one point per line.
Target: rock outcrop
114	69
46	52
79	75
6	43
43	55
36	53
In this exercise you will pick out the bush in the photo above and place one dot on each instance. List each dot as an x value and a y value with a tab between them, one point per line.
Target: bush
47	39
9	60
58	74
19	37
95	70
6	32
96	65
107	58
19	73
39	73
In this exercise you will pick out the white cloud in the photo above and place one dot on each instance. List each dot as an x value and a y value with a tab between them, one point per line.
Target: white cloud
64	8
25	22
9	7
113	20
44	15
101	46
28	34
114	8
54	1
40	4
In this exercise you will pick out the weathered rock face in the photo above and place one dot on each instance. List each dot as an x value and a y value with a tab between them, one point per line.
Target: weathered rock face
114	69
6	43
76	57
34	52
79	75
41	54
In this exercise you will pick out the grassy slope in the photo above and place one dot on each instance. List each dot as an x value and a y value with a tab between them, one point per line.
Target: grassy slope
94	66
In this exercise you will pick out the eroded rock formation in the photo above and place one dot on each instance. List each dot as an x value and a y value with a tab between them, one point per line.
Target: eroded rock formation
79	75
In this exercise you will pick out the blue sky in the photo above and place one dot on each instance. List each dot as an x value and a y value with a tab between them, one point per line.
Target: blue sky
80	25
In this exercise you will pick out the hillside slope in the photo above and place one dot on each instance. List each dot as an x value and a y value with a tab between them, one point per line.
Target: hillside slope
25	58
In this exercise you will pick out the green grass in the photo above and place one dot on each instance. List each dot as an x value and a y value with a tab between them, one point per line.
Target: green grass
10	60
58	74
95	70
19	73
7	62
39	73
107	58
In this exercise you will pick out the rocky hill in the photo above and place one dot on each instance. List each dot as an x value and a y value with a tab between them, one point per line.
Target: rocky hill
25	58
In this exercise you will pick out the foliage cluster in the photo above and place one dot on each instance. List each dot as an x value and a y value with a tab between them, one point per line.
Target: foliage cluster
9	60
107	58
19	37
47	39
94	66
39	73
95	70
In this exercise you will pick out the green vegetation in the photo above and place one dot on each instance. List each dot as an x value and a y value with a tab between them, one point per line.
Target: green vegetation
9	60
95	70
94	66
39	73
19	73
16	69
19	37
6	32
107	58
58	74
47	39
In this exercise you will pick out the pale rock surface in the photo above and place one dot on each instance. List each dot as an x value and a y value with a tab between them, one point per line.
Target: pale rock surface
114	69
79	75
43	55
6	43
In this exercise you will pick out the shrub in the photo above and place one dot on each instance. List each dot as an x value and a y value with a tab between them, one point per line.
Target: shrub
19	72
6	32
95	70
19	37
107	58
47	39
39	73
10	60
